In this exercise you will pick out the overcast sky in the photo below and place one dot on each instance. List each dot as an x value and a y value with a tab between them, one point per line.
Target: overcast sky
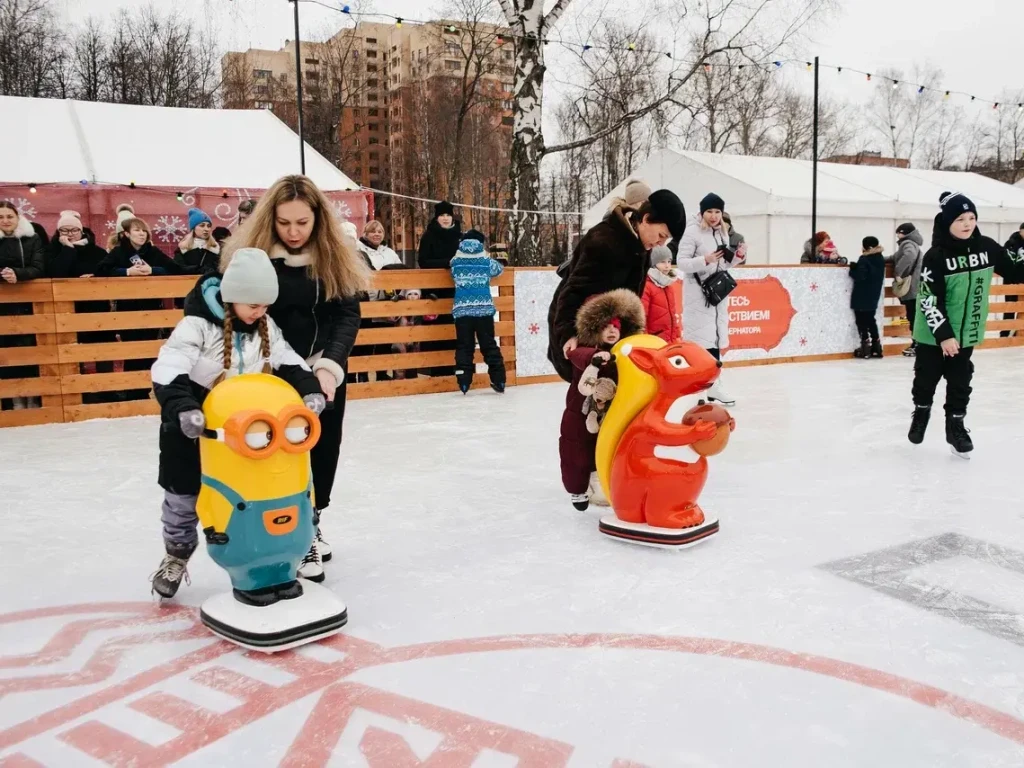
979	44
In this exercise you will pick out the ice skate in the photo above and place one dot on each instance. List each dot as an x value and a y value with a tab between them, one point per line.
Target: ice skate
910	351
173	568
717	395
958	436
326	553
919	424
876	348
312	567
863	352
581	501
498	387
597	497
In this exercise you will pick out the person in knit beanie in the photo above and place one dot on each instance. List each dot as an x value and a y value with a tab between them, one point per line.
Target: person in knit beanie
70	254
473	309
952	311
663	297
198	252
226	331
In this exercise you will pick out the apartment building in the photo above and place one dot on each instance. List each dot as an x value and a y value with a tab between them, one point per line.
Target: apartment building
385	103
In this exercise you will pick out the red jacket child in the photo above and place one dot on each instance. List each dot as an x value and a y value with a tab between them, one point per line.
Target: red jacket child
600	323
663	297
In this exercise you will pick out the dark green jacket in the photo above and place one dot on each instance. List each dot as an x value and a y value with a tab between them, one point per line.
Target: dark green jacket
952	302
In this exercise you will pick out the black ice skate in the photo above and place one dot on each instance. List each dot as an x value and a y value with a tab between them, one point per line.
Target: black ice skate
876	348
173	568
499	387
910	351
919	424
581	501
863	352
958	436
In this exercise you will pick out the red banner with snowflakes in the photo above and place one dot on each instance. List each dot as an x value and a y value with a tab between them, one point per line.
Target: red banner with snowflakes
161	208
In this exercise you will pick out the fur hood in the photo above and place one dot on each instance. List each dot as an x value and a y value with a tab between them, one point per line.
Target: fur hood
598	311
24	229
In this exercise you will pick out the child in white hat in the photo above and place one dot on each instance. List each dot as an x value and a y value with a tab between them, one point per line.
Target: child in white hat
226	331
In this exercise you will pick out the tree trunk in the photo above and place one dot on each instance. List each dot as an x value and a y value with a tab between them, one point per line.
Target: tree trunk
527	136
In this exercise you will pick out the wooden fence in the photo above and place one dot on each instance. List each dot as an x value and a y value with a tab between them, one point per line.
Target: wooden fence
999	304
93	341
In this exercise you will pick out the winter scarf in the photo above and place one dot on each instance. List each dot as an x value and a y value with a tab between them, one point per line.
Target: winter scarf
660	279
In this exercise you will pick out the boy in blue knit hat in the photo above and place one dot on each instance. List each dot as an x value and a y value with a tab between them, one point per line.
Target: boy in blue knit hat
473	310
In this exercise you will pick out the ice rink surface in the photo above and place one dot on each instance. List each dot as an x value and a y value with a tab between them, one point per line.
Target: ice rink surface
863	604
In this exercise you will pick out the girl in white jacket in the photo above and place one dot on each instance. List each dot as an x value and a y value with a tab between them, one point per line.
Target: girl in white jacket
226	331
704	250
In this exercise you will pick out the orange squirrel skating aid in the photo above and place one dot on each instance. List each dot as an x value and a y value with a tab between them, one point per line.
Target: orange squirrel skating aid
647	488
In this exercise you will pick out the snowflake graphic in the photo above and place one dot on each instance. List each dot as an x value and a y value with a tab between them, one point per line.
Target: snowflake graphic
342	209
170	229
534	328
111	223
803	342
926	275
814	287
24	206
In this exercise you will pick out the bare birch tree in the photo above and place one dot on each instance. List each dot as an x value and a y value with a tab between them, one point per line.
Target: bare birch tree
718	26
901	114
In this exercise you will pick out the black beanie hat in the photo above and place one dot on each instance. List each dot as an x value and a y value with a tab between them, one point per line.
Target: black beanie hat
954	205
905	229
710	201
869	242
444	208
475	234
666	205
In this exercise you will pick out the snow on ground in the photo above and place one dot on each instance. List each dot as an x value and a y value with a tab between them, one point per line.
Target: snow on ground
862	605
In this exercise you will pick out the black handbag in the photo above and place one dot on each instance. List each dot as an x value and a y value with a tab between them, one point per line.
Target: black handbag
717	287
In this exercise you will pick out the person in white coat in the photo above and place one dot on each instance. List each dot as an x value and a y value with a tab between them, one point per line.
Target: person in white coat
703	251
226	331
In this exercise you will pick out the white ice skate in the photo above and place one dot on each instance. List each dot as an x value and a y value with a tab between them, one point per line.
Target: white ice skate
715	394
312	567
326	553
597	497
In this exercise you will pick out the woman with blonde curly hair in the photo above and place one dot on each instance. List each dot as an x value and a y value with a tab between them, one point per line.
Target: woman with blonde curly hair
321	275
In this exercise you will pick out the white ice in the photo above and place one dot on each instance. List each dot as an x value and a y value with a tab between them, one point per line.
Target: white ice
449	523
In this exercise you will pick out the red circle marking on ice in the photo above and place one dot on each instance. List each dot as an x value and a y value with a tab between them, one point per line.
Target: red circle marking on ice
464	734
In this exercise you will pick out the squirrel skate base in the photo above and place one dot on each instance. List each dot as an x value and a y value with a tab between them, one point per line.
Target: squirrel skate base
316	614
649	535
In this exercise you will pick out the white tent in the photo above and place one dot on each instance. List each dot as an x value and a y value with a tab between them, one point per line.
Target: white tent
54	141
769	199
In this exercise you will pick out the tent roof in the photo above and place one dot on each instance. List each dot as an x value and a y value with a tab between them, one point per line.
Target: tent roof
67	141
782	186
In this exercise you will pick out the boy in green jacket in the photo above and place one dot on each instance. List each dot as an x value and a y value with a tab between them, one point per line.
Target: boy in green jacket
952	309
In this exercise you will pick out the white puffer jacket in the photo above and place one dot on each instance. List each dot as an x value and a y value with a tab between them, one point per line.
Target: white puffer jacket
196	349
704	325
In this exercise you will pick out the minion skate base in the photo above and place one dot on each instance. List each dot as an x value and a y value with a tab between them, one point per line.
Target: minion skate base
316	614
665	538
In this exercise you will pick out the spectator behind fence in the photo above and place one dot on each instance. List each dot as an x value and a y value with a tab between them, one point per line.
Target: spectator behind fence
907	274
377	255
135	255
868	274
473	310
70	253
198	252
438	245
1015	245
221	235
824	251
122	214
245	209
21	259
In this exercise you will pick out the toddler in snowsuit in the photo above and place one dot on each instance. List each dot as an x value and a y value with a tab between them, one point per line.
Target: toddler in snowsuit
600	323
952	310
868	274
226	331
662	297
473	310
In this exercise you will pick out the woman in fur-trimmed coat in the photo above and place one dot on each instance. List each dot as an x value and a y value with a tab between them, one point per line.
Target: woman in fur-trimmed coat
600	323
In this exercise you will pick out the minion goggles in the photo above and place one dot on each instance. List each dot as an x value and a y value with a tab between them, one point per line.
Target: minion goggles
259	434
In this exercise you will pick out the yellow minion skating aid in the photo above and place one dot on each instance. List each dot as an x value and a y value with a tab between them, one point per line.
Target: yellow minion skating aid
256	509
